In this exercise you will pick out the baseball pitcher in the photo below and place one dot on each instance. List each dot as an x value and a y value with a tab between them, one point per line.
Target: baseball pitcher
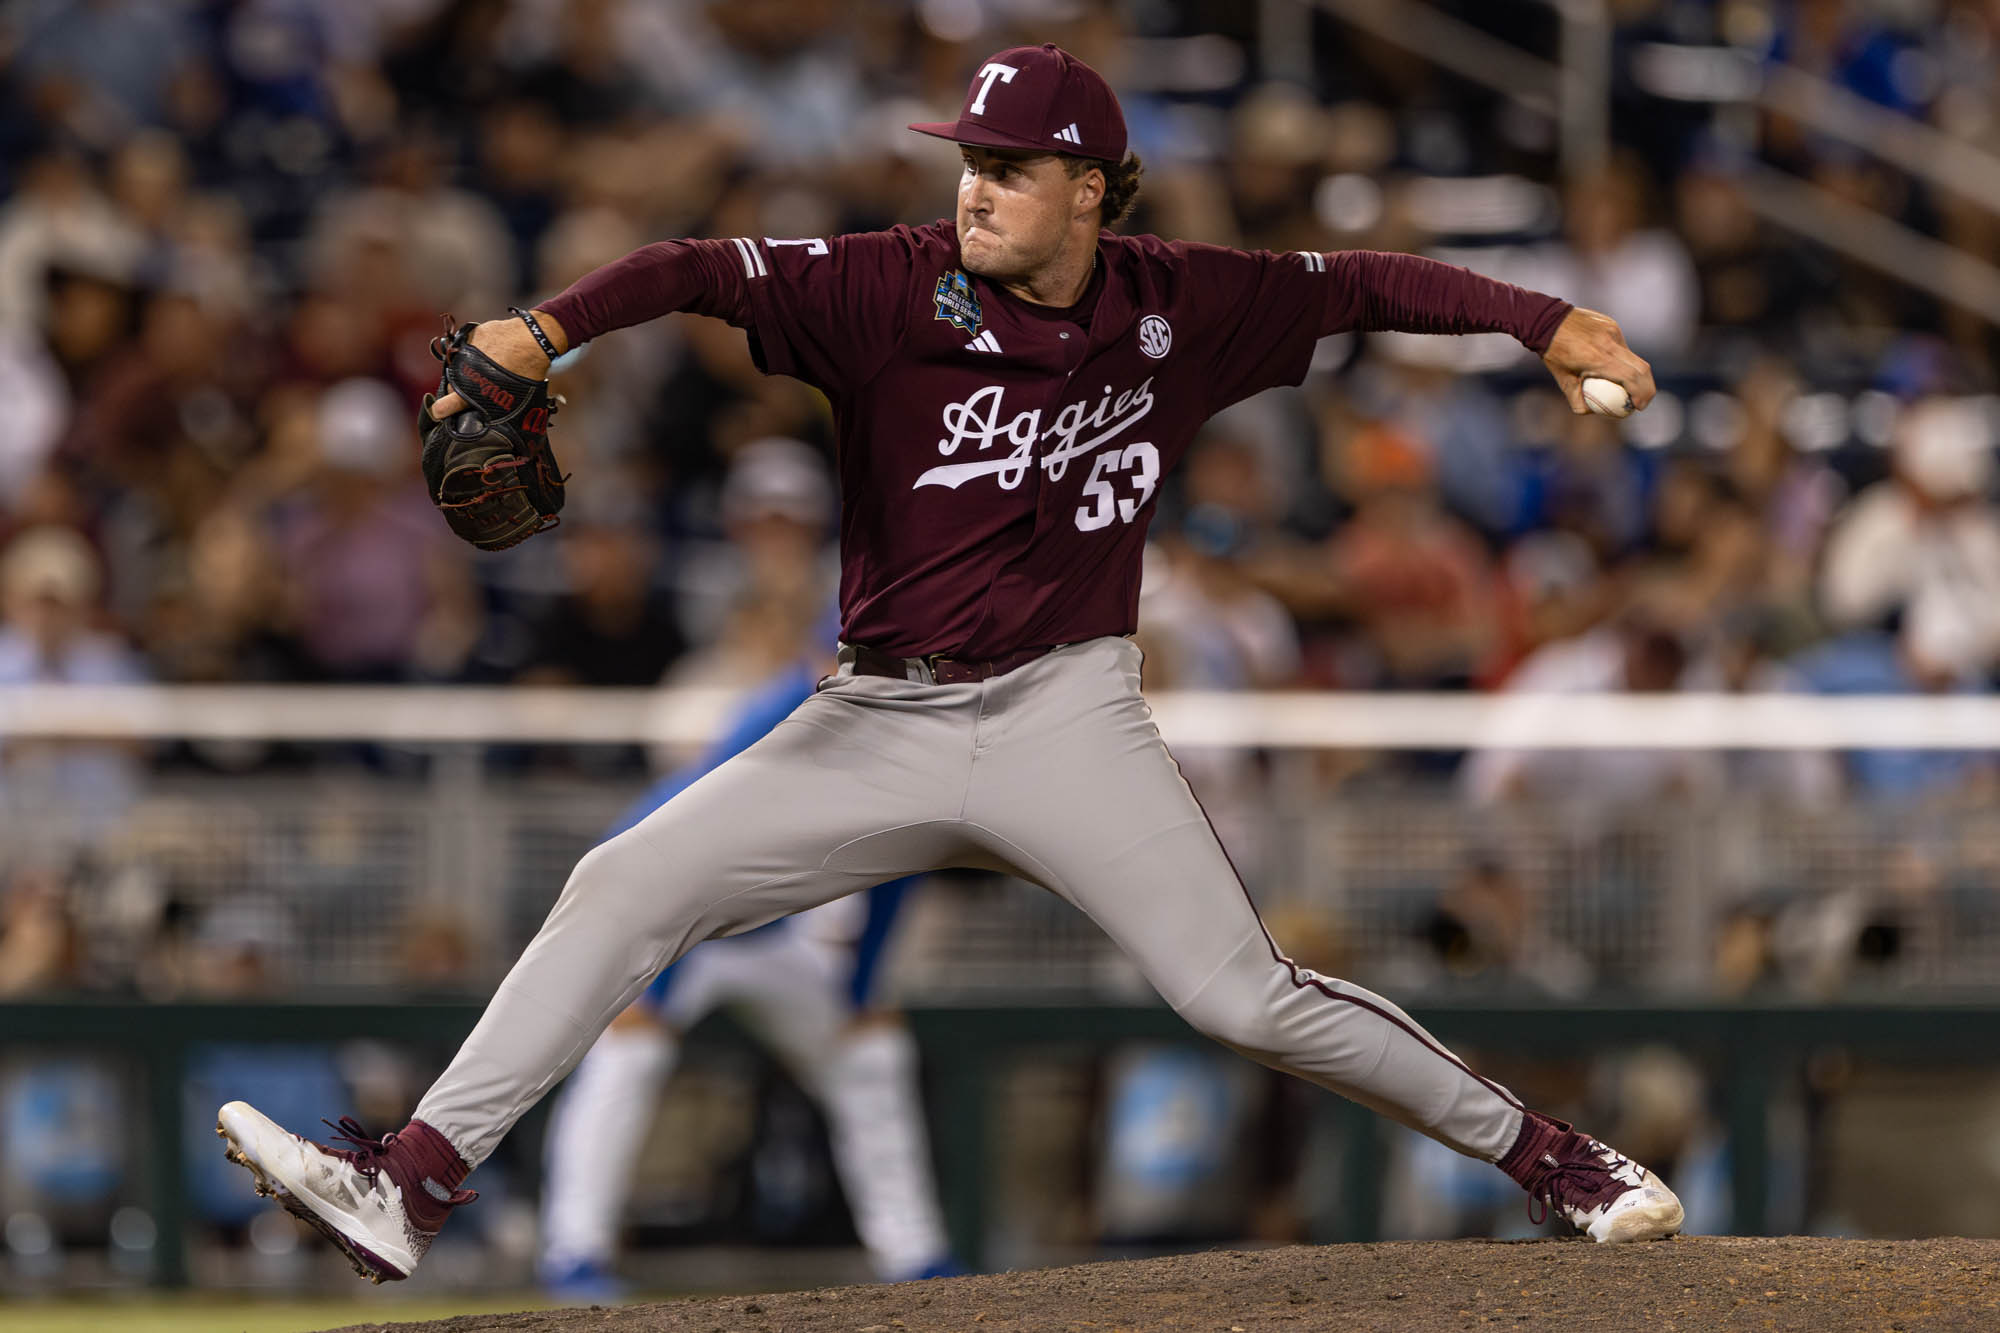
1009	387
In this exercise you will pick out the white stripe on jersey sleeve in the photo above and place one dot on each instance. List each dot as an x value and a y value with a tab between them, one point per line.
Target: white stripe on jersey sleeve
757	256
1314	260
744	253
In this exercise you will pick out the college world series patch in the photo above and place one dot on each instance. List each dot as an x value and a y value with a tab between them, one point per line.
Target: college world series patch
957	302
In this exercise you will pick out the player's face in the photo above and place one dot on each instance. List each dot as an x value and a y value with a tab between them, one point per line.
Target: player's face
1016	209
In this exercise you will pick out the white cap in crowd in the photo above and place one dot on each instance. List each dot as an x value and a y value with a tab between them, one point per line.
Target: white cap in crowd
778	477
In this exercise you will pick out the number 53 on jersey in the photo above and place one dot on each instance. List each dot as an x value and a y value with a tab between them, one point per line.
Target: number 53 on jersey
1136	468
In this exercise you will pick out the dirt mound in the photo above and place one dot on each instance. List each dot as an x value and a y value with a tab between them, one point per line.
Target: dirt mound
1693	1283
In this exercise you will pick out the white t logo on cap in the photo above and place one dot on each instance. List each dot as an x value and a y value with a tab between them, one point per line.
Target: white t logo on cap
988	73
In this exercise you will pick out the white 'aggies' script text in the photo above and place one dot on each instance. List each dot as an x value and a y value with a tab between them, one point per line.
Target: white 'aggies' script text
978	420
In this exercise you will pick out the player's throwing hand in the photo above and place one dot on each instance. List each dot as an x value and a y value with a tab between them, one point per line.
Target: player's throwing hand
1589	344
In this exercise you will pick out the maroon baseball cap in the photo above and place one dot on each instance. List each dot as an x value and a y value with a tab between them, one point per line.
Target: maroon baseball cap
1038	97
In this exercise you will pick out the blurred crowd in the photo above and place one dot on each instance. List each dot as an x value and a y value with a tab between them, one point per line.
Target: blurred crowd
229	230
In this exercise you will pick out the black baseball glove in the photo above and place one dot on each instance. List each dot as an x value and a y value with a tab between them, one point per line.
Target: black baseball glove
489	467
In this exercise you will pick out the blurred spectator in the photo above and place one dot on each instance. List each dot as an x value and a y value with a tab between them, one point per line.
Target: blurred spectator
1614	259
32	380
1938	649
521	145
1410	578
1279	134
246	945
408	244
1489	927
612	625
437	957
1706	557
1925	543
780	73
587	73
1744	655
100	68
777	505
374	583
1751	278
1205	626
1793	494
59	218
1474	456
1635	654
38	936
1581	476
1550	587
50	581
1208	626
610	387
1849	45
216	613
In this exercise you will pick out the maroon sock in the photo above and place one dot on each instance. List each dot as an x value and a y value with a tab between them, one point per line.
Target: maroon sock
1524	1161
429	1171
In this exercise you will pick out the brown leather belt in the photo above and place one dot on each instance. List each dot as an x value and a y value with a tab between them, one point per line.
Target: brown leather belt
936	669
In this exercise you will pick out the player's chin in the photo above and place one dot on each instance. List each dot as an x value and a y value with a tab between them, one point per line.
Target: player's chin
981	252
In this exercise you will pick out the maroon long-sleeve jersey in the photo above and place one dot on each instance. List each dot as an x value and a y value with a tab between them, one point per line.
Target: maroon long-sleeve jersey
999	461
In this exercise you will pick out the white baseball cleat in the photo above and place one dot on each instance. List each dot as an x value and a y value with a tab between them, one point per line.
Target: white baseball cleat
381	1202
1598	1190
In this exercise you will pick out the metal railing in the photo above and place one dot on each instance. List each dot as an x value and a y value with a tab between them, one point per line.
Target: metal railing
326	883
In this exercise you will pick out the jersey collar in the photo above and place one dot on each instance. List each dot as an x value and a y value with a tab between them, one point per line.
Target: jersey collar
1118	301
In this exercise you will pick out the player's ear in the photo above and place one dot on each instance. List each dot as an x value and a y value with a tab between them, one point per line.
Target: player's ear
1089	190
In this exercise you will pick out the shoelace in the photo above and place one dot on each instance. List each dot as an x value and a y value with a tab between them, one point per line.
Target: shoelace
1590	1177
367	1153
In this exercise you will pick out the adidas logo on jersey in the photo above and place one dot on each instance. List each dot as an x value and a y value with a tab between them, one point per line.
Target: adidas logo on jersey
985	342
1069	134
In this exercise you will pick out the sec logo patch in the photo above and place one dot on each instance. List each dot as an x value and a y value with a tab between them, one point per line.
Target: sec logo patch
1155	336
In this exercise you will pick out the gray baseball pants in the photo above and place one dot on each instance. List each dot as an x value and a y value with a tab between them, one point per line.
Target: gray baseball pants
1054	772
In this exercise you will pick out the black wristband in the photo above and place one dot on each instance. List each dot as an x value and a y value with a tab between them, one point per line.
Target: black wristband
534	327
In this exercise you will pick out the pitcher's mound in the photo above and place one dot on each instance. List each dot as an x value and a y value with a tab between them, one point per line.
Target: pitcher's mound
1686	1285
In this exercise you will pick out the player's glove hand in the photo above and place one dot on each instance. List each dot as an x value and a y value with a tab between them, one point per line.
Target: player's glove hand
489	467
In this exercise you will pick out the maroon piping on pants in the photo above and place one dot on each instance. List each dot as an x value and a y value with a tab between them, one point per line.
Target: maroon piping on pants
1314	982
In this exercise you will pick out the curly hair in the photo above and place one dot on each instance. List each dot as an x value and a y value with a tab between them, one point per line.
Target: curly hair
1121	183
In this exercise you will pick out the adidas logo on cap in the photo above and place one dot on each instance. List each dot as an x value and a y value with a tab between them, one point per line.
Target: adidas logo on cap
1069	134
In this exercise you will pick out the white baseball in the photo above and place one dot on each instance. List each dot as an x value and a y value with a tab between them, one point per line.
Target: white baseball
1606	398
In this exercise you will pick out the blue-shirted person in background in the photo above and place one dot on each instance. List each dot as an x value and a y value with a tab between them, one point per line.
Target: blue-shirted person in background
803	985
